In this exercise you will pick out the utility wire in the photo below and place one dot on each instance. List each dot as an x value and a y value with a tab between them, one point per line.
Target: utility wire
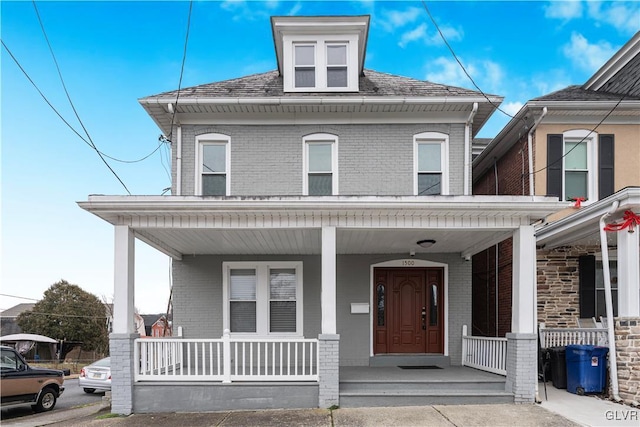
92	144
591	131
184	58
16	296
426	8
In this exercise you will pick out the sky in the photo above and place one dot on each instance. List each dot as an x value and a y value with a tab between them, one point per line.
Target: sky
110	54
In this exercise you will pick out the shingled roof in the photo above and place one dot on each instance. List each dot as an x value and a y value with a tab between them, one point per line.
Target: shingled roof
577	93
372	83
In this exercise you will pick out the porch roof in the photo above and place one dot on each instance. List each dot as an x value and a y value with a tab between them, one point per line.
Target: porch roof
178	225
581	227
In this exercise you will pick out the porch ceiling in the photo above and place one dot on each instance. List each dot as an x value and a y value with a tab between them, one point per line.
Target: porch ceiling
186	225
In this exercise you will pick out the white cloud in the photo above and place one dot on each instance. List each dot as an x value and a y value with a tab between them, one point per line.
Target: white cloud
244	11
448	71
488	75
511	108
295	9
416	34
563	9
394	19
585	55
450	33
624	16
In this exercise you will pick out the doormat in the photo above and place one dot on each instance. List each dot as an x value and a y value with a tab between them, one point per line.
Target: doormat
420	367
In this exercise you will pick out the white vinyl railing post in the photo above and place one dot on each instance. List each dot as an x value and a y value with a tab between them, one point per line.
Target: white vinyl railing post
464	344
226	356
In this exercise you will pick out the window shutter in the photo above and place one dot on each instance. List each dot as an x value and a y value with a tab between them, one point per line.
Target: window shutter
587	285
605	160
554	165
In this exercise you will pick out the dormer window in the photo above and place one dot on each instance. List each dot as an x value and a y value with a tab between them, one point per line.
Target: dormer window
337	65
305	65
320	53
320	64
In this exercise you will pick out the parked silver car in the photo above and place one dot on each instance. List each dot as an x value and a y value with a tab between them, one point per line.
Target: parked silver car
96	376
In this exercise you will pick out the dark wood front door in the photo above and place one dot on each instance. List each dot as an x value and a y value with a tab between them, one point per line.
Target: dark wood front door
409	315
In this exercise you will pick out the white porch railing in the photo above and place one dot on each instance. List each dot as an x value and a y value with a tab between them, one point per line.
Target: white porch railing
553	337
484	353
226	359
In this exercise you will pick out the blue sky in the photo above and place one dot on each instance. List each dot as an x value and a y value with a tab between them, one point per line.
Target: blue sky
112	53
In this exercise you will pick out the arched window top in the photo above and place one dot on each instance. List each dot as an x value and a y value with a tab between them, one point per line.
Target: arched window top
312	137
212	136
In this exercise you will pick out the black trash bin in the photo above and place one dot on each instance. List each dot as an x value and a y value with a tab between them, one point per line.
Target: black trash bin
558	366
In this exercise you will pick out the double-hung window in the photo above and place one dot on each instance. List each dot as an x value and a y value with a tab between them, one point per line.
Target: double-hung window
430	164
314	63
263	298
212	177
577	163
305	65
321	165
580	165
337	65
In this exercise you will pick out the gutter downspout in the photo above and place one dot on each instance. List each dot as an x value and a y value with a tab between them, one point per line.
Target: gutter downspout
179	163
613	365
467	147
530	149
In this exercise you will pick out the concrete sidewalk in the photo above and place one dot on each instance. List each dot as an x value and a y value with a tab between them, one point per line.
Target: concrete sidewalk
453	415
560	409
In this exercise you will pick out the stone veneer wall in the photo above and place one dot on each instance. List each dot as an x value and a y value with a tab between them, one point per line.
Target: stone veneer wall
558	287
628	348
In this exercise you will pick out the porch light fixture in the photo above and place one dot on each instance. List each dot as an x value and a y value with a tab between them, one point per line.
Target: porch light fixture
427	243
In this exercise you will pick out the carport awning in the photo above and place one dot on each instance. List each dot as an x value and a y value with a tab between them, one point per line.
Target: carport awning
178	225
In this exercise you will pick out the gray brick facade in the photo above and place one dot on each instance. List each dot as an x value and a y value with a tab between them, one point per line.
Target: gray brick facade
329	370
522	366
373	159
121	353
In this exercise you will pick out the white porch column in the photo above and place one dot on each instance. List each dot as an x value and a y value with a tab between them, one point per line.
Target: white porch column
328	292
123	296
522	348
628	273
524	297
122	339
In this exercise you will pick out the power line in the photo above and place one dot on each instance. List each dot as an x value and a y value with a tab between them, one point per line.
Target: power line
184	58
40	313
16	296
63	119
444	39
591	131
92	144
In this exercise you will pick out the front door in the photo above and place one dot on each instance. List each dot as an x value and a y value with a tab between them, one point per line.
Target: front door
409	315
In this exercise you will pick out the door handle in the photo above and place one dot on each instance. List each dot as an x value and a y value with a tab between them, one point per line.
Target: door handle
424	318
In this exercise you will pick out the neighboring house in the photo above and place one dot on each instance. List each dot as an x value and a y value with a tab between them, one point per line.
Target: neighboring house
581	144
161	328
321	219
8	324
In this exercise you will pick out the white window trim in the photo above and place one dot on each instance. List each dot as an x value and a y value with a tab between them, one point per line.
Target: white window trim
320	138
432	138
212	139
351	41
262	296
592	162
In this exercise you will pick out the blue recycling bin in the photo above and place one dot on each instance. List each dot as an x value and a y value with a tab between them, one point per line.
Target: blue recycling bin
586	368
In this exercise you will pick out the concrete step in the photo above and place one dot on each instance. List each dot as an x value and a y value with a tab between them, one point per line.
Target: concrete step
420	385
413	398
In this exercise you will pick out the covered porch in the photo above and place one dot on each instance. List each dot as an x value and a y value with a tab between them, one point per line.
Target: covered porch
341	242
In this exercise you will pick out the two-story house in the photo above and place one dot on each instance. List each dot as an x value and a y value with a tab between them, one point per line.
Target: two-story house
581	144
320	225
